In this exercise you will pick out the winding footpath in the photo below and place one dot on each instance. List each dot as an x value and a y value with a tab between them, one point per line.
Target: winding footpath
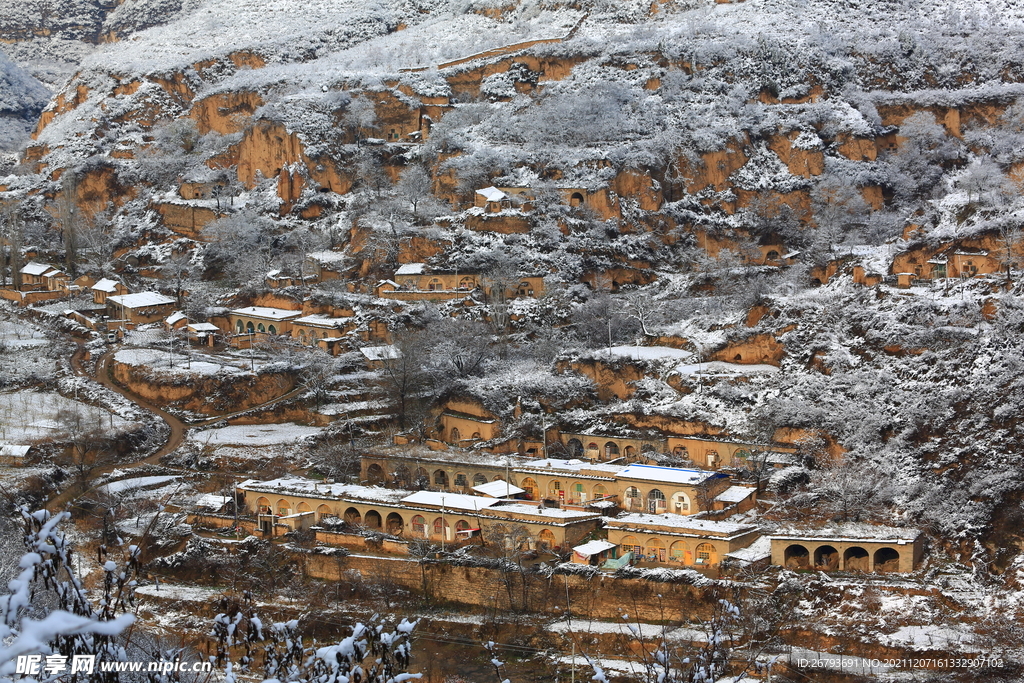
178	428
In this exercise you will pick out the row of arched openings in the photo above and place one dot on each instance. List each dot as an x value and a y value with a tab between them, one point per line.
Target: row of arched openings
855	559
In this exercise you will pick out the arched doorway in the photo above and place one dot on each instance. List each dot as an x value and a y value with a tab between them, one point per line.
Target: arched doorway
455	437
261	328
796	557
555	491
272	330
600	491
611	450
239	327
442	529
375	474
372	519
576	199
352	517
461	481
677	552
422	480
705	554
633	501
826	558
856	560
655	502
395	525
479	479
546	540
323	512
530	486
419	527
681	503
263	506
403	477
656	550
250	328
303	507
575	448
284	508
629	544
441	479
629	452
887	560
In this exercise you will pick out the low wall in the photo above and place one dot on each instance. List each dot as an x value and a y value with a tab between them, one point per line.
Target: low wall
602	597
361	543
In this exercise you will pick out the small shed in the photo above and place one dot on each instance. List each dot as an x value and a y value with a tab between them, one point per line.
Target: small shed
593	552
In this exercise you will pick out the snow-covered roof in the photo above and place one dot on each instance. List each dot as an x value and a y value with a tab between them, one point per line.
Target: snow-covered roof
758	550
141	299
33	268
849	531
106	285
545	513
10	450
374	353
212	501
592	548
498	489
681	524
453	501
574	465
53	273
266	313
312	488
203	327
734	494
319	321
175	317
492	194
411	269
667	475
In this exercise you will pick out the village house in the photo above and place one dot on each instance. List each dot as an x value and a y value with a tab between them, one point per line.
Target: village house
138	309
418	282
106	287
14	455
702	451
677	540
320	330
848	547
579	483
33	276
260	320
294	503
465	422
657	490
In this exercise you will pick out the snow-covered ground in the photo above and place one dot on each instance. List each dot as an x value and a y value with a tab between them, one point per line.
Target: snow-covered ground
123	485
29	415
255	435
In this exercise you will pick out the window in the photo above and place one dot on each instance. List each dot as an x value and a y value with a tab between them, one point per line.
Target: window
460	479
455	437
632	492
261	328
461	525
419	526
283	508
239	327
272	329
655	501
611	450
556	486
435	285
439	526
772	255
480	479
466	283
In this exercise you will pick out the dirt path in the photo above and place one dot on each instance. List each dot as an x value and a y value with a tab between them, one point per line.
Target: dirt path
178	428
